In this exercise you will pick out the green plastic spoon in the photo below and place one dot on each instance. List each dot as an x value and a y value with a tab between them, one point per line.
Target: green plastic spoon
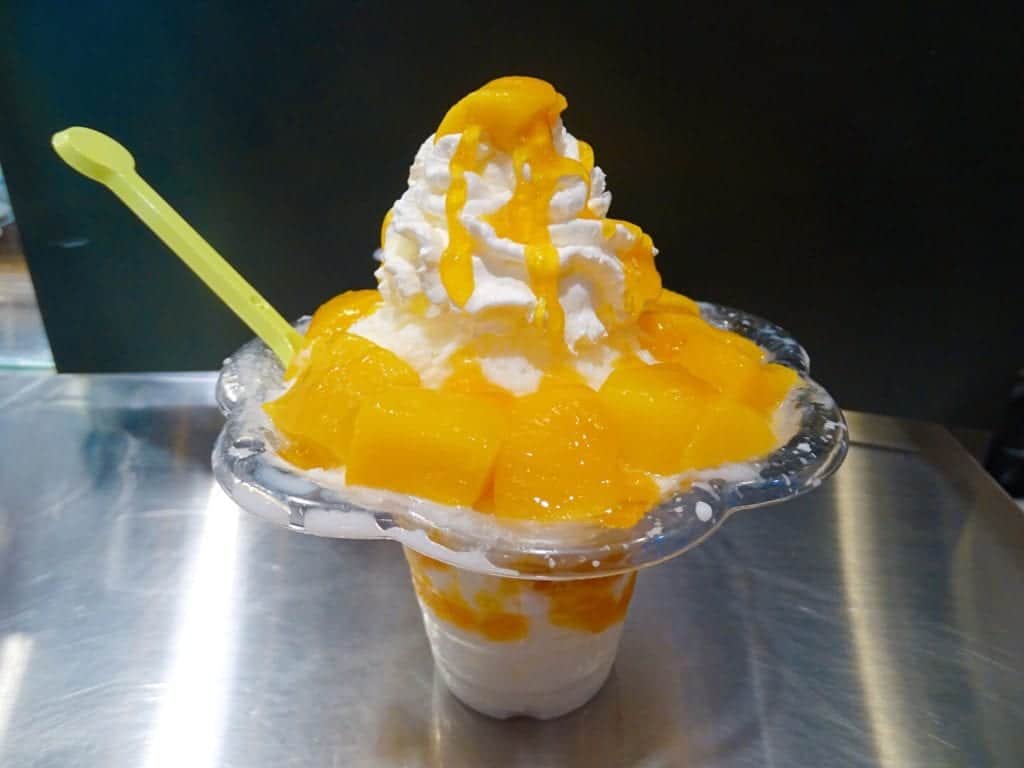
102	159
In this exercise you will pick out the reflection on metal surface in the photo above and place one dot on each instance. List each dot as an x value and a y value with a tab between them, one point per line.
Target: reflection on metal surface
875	621
985	584
15	652
190	721
882	700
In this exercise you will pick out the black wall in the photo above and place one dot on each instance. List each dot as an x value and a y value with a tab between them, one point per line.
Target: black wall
853	175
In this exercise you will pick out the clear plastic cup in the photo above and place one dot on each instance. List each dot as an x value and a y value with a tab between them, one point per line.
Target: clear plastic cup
513	628
509	647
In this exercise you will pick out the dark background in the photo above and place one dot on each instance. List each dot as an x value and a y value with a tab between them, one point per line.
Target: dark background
854	175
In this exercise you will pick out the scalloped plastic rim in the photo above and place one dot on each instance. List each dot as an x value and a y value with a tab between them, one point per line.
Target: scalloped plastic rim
316	502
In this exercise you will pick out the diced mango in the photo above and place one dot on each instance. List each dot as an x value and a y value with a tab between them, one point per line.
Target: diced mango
666	333
639	494
437	445
334	316
657	411
560	459
341	312
769	387
724	359
723	364
588	605
468	377
731	363
306	455
337	373
730	432
675	302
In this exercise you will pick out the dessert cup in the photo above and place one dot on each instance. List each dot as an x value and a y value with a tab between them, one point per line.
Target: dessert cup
523	617
509	647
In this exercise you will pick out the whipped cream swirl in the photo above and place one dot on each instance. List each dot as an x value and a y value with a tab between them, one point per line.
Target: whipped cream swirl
592	284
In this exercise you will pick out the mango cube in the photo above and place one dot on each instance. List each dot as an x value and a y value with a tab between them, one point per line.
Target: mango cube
334	316
716	359
730	432
336	374
437	445
639	494
468	377
670	332
769	387
560	459
657	411
675	302
341	312
666	332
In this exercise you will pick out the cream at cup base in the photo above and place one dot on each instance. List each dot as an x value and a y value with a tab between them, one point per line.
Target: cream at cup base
509	647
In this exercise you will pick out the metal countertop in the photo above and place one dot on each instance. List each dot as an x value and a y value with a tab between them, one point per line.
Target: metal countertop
145	621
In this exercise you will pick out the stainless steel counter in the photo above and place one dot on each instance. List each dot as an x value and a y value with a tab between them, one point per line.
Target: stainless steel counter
145	621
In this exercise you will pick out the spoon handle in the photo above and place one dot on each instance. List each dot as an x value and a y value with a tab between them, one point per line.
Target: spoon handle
233	289
102	159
